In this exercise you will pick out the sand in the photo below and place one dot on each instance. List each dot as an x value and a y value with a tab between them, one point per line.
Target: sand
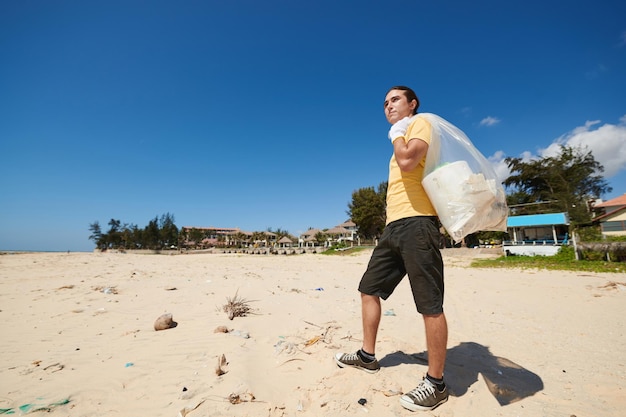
79	339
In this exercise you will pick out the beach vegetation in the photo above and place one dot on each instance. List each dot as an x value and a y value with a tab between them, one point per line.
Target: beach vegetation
236	307
566	182
368	210
564	260
320	238
160	233
344	250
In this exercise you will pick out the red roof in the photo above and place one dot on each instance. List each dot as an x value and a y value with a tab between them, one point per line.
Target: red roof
609	214
618	201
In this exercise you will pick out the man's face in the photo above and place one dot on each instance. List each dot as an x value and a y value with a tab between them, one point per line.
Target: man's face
397	106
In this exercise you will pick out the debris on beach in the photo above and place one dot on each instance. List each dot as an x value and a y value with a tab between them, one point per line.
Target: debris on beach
284	346
241	398
35	407
241	333
164	322
613	285
236	307
66	287
312	341
391	392
187	410
221	329
106	290
221	363
185	394
55	367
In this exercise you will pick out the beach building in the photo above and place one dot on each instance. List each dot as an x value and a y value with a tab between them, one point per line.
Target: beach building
285	242
208	237
308	239
228	237
611	216
536	234
344	232
350	226
196	237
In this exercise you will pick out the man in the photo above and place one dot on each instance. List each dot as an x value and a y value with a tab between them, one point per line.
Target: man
409	246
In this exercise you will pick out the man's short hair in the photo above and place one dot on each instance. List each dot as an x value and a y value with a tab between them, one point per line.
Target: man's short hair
409	94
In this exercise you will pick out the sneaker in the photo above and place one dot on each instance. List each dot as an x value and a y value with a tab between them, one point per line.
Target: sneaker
355	361
425	397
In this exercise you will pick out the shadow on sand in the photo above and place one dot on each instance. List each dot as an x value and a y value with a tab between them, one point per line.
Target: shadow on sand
507	381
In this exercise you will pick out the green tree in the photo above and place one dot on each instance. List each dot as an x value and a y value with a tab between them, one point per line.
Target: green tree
280	233
168	231
159	233
136	237
114	235
367	210
96	235
240	239
257	237
320	238
152	235
561	183
127	236
197	236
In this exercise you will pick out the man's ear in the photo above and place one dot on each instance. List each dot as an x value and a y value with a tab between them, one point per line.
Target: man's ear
413	106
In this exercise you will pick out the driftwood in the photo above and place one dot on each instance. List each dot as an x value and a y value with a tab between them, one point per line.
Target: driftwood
609	251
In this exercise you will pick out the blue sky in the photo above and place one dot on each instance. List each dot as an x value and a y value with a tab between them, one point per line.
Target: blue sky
269	114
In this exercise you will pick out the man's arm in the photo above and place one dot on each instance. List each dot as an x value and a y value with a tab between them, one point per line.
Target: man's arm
408	155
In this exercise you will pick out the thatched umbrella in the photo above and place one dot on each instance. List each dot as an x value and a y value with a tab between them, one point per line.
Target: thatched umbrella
285	241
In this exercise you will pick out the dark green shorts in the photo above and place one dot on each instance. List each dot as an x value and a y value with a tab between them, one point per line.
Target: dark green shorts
408	246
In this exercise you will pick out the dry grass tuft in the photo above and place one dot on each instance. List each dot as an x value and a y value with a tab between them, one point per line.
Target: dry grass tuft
236	307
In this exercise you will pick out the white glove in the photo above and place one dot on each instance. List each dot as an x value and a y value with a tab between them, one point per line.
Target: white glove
400	127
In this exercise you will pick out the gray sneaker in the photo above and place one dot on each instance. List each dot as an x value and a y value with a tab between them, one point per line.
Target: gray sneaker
354	360
425	397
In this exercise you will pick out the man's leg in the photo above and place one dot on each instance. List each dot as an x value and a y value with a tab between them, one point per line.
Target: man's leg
437	343
364	358
430	392
370	314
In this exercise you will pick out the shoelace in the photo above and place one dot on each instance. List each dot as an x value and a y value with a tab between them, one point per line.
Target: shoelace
424	390
351	357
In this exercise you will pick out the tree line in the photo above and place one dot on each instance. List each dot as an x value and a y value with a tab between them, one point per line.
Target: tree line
160	233
566	183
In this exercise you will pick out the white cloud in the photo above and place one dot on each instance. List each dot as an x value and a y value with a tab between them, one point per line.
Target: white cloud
607	143
499	166
489	121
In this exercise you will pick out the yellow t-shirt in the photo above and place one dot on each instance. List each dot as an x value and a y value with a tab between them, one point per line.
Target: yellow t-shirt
405	195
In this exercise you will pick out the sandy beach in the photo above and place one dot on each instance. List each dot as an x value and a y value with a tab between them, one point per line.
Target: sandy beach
79	339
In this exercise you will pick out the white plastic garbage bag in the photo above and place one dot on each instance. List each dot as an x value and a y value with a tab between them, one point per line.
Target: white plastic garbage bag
461	183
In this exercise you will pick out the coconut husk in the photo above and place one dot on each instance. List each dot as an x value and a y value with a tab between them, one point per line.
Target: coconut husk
164	322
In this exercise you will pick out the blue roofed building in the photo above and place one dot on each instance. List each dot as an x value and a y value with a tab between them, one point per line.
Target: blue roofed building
536	234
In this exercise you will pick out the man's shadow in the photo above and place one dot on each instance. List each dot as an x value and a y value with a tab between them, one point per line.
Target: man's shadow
507	381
